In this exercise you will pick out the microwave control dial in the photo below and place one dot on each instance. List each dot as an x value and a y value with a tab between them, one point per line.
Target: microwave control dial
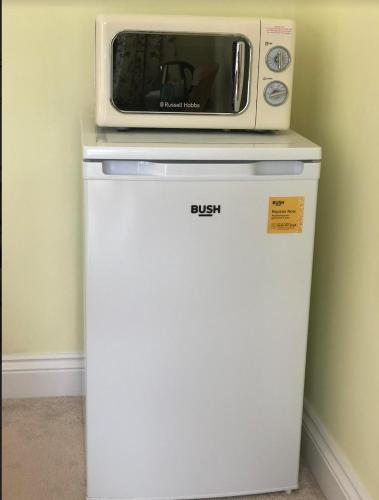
275	93
278	59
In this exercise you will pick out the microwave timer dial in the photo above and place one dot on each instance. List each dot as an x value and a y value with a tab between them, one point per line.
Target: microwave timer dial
275	93
278	59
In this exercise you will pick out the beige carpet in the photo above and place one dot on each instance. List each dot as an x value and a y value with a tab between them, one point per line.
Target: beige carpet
43	454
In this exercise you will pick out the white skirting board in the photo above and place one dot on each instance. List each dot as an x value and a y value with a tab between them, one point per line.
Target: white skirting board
43	375
329	466
49	375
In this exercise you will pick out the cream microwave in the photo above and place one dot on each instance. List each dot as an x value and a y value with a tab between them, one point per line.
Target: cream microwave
194	72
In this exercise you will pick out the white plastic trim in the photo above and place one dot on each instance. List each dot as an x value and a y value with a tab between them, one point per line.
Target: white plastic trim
335	475
42	375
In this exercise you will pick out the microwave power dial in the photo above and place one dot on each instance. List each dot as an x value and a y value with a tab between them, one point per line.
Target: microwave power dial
275	93
278	59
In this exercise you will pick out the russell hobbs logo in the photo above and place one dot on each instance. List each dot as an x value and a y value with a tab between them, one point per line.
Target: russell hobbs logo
205	210
179	105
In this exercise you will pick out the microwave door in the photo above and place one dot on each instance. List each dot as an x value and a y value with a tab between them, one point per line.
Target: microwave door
180	73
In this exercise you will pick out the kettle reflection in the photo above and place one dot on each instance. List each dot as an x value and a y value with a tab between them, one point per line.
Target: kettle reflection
176	81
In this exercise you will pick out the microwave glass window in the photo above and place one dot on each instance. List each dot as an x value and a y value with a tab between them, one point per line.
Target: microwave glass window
180	73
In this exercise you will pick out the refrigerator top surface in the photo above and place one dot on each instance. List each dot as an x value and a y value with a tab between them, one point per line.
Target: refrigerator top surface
167	144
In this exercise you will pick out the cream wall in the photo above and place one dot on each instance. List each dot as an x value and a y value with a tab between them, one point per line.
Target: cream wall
48	79
337	105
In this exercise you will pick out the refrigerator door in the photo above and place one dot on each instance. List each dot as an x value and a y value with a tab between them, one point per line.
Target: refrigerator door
197	296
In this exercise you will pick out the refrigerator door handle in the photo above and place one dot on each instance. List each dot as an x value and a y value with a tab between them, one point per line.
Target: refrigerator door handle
150	170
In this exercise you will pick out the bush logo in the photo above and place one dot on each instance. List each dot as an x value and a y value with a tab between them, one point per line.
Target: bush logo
205	210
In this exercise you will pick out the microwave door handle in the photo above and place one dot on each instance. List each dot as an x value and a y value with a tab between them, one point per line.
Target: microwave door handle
239	70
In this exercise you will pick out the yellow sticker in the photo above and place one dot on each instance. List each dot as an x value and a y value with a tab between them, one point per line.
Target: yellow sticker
285	214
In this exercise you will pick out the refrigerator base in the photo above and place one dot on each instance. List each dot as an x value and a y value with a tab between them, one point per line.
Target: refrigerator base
285	489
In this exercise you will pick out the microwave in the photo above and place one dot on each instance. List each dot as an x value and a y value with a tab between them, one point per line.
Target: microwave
194	72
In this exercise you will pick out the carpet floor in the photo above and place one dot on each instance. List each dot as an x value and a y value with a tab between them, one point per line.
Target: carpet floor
43	453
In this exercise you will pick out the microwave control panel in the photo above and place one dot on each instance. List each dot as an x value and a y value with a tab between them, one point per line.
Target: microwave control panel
274	86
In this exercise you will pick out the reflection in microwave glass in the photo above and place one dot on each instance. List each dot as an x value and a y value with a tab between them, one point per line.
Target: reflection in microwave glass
173	72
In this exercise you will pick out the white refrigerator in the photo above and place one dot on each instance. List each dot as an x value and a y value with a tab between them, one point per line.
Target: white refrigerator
198	262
